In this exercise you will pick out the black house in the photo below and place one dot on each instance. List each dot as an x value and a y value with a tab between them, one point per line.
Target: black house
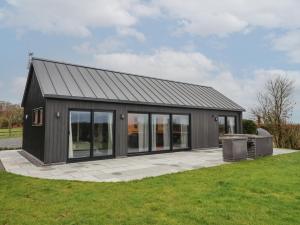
74	112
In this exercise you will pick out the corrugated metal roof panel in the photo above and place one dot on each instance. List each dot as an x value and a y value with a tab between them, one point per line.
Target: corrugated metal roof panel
101	83
165	89
119	85
69	81
43	78
130	88
65	80
57	80
92	83
80	81
138	88
157	91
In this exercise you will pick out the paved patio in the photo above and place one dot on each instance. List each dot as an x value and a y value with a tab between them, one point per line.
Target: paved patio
122	169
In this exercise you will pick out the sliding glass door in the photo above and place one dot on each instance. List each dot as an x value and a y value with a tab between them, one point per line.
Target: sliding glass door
180	131
79	134
90	134
138	132
160	132
222	125
231	128
103	134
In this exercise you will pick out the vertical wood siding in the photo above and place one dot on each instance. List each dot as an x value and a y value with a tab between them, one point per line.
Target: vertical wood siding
204	128
33	136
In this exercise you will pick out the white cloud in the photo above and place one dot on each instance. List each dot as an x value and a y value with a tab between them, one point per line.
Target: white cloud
164	63
194	67
104	46
290	44
84	48
131	32
198	17
72	17
221	18
145	10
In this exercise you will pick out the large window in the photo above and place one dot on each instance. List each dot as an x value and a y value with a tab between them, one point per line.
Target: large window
79	134
160	132
37	117
90	137
227	125
103	134
164	133
180	131
138	132
231	127
222	128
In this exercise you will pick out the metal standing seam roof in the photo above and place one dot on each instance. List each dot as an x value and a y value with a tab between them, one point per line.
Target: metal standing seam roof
70	81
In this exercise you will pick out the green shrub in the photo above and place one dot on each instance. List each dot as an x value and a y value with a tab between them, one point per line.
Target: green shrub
249	127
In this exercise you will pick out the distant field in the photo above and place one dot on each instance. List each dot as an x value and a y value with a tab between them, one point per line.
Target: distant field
15	132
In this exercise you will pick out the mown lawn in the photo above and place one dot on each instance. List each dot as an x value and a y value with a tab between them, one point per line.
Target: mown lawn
264	191
15	132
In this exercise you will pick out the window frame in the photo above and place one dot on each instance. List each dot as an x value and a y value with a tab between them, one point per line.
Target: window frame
189	130
171	149
149	130
37	119
235	125
226	124
170	132
91	156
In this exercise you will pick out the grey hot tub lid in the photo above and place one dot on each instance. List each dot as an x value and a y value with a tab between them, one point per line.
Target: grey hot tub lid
263	132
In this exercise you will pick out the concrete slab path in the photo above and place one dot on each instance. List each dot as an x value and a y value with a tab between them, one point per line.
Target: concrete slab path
121	169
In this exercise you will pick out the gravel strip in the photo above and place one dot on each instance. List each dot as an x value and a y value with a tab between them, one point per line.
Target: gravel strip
11	143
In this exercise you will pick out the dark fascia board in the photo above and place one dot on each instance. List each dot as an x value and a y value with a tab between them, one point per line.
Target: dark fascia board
66	98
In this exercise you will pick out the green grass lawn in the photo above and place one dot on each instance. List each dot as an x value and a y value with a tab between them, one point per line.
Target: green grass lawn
264	191
15	132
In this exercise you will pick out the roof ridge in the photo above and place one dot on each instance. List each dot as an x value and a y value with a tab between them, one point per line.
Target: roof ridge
113	71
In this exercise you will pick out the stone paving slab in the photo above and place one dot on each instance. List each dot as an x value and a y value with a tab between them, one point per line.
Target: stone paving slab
121	169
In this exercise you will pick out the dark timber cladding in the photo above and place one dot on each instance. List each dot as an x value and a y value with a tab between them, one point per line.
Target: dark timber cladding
59	87
33	136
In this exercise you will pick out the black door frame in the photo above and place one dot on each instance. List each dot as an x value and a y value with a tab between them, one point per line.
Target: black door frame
150	151
91	157
225	123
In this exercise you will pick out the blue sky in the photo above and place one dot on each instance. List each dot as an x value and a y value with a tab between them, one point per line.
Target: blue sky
234	46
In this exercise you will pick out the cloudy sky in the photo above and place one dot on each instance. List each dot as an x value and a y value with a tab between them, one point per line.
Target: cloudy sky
232	45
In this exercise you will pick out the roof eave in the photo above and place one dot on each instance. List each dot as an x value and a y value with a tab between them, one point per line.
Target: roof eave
63	97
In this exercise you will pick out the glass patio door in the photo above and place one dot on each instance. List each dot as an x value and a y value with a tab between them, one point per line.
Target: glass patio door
103	134
79	134
90	134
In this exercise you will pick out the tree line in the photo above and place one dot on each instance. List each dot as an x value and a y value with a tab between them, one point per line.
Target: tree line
11	115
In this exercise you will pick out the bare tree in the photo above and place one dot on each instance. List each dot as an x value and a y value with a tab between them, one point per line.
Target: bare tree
13	114
275	106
